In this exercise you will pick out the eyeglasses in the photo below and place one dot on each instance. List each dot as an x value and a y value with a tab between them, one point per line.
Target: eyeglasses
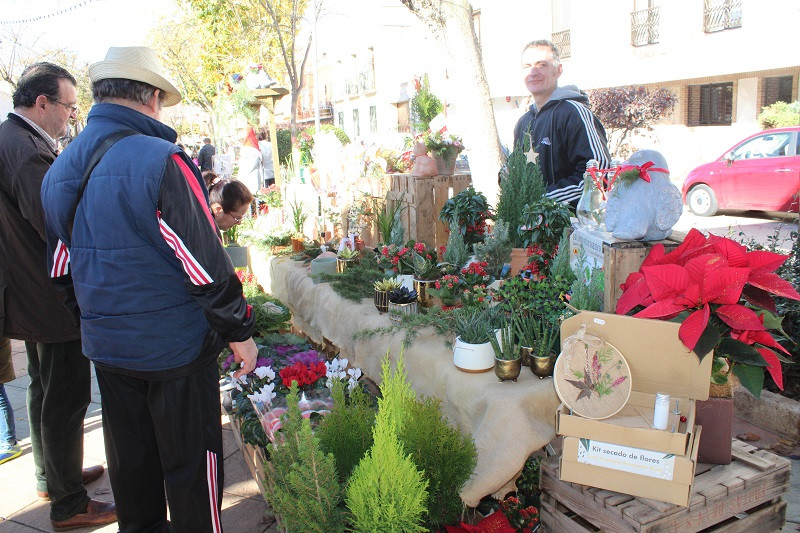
235	218
73	109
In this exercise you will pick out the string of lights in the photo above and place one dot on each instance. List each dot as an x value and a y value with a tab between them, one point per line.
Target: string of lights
47	16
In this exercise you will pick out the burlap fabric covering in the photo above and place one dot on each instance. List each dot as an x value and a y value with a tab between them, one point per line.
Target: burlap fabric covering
591	376
508	421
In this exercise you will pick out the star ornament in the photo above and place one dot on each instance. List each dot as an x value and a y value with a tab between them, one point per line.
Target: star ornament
531	155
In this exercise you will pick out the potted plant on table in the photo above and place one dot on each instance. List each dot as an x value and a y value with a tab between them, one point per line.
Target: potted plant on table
382	290
299	217
722	295
448	289
444	149
236	252
507	361
426	271
346	258
543	224
495	249
402	302
468	210
472	351
546	333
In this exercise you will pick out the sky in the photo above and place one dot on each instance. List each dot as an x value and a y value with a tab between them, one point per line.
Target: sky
88	27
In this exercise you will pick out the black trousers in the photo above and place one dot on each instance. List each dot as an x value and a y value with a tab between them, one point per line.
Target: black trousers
58	395
163	429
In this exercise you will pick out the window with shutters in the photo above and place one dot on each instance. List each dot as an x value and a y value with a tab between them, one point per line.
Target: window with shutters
777	89
710	105
645	22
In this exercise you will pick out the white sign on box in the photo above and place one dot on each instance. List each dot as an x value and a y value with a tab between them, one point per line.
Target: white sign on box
634	460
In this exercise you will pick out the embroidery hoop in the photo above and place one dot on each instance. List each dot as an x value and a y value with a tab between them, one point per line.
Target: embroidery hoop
576	357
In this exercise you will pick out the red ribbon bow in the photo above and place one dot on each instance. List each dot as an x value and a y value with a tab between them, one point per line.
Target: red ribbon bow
644	170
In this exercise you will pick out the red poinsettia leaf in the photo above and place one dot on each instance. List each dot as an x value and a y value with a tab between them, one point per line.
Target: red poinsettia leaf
690	296
724	286
739	317
665	281
765	261
773	283
655	256
773	366
693	241
636	293
732	251
764	338
758	297
664	309
693	327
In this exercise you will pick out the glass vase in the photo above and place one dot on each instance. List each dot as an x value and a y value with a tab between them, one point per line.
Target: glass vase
591	210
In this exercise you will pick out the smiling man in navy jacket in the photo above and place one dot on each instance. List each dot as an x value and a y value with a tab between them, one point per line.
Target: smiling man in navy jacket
157	296
559	126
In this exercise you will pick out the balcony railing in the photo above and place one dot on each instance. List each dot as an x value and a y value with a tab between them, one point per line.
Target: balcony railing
722	15
644	26
561	40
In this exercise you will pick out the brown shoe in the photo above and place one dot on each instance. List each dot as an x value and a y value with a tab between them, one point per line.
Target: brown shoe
96	514
93	473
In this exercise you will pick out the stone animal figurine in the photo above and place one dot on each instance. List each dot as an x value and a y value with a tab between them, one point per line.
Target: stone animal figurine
643	204
424	165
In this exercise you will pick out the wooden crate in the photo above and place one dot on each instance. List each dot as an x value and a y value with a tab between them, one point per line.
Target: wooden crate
422	199
253	455
743	497
622	258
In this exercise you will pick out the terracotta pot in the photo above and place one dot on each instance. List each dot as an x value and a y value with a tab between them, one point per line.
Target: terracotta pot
297	245
519	259
359	244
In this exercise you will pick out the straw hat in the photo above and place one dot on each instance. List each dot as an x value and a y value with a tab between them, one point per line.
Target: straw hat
137	63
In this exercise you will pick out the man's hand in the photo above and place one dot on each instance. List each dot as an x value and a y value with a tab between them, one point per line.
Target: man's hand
244	352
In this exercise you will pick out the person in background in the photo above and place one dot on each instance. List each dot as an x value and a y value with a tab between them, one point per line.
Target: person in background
9	449
59	392
205	158
209	177
266	157
170	300
559	127
230	202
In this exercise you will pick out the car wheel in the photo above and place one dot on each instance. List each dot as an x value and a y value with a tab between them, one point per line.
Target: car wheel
702	201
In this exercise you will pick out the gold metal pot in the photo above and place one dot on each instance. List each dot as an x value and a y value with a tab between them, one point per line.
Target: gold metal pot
542	366
344	264
423	287
506	369
525	354
381	300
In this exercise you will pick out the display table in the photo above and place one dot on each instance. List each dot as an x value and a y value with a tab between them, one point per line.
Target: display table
507	420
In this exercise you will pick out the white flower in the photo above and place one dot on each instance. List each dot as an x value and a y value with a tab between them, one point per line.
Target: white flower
265	395
265	372
354	373
352	383
238	382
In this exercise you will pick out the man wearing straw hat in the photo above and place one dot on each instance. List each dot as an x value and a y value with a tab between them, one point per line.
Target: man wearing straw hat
130	229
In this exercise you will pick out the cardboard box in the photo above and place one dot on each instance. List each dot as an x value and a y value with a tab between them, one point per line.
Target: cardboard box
664	477
659	363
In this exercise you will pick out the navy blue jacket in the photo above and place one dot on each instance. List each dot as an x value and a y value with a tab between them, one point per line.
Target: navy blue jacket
566	135
150	276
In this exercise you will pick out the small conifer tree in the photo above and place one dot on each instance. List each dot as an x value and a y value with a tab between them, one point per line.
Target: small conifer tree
455	252
301	481
523	184
387	493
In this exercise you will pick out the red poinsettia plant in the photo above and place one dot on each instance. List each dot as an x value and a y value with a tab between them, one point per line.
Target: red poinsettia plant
722	294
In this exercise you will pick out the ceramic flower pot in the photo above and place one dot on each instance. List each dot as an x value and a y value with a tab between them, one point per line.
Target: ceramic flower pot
473	358
542	366
344	264
396	311
320	265
507	369
423	287
445	167
525	354
381	300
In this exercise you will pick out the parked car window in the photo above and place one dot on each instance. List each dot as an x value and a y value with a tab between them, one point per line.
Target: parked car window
772	145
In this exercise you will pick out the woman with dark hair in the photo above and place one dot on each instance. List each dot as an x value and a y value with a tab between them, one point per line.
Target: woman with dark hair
230	201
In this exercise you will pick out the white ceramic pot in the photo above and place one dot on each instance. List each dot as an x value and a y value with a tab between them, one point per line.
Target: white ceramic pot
407	281
473	357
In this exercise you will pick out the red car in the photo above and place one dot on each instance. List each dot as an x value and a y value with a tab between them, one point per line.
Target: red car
760	173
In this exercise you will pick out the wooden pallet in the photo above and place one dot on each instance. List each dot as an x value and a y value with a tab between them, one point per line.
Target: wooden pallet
253	455
744	496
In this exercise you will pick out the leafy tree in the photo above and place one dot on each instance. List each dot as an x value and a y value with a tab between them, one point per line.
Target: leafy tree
424	105
780	115
452	24
628	111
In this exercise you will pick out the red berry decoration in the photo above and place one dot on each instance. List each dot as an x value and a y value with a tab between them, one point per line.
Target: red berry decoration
683	418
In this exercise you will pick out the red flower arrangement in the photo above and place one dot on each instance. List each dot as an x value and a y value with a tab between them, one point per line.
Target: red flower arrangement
723	296
303	374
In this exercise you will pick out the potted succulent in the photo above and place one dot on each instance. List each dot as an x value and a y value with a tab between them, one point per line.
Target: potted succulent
546	332
402	302
472	351
507	361
382	290
524	324
345	259
299	217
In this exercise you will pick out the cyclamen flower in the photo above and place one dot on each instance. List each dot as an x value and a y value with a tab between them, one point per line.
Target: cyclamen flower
265	395
264	372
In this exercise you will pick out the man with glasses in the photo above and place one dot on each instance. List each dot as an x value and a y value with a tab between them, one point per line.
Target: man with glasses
59	391
559	127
